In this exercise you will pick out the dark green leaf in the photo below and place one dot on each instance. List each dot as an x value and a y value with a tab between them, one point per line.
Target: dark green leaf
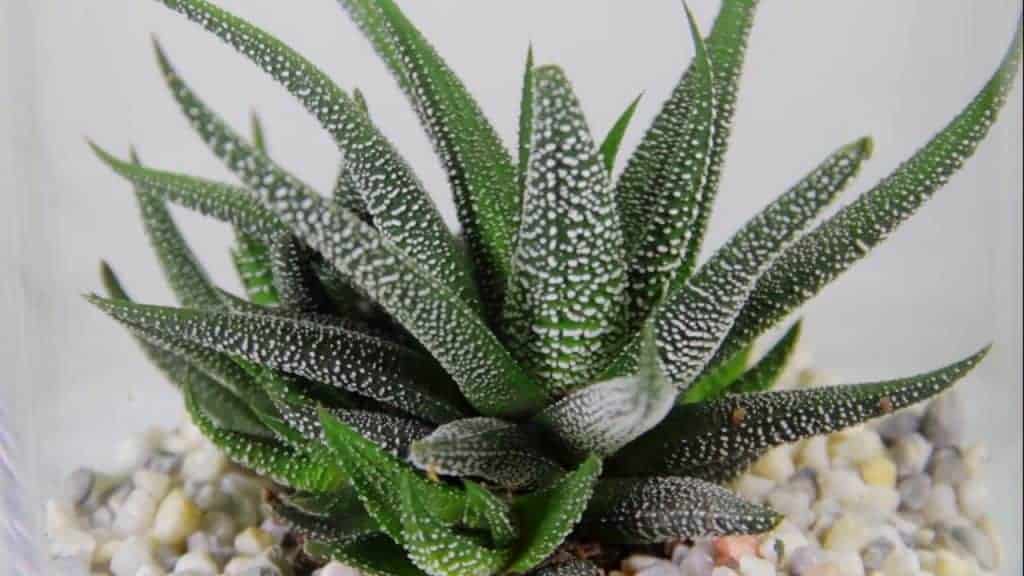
661	509
346	522
375	555
763	375
252	262
485	509
572	567
613	140
845	238
525	122
715	381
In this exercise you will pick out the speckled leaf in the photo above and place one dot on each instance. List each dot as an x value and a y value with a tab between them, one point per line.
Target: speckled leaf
377	477
182	270
302	471
613	140
655	164
605	416
252	262
375	555
694	320
346	188
716	380
495	450
402	211
347	520
708	439
660	509
763	375
433	313
525	123
566	294
438	549
572	567
660	191
546	517
323	353
224	202
845	238
485	509
295	277
481	173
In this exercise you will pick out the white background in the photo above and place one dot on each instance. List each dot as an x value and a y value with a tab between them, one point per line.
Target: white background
819	74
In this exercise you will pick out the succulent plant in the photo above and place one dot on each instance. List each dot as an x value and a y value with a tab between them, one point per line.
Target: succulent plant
564	371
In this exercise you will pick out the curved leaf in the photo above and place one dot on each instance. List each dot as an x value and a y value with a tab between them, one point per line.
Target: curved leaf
481	173
495	450
252	262
295	279
848	236
613	140
762	375
402	210
546	517
486	509
375	555
565	296
660	509
708	440
347	521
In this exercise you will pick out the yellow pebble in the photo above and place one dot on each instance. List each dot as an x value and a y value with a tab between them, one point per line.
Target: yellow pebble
879	471
949	564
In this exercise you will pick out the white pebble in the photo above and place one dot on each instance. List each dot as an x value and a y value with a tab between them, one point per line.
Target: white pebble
135	515
795	505
842	484
131	556
59	517
252	541
901	562
912	453
154	483
855	445
177	518
754	566
204	465
880	501
150	570
198	563
813	453
336	569
941	504
699	560
753	487
848	563
776	465
133	452
723	571
73	543
241	565
792	539
849	533
973	498
643	565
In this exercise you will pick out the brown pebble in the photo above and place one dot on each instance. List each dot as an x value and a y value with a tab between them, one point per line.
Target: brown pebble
885	405
739	414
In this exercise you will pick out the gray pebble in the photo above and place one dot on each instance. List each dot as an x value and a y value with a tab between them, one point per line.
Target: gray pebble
805	480
944	421
947	467
899	425
78	486
969	541
262	571
116	496
102	518
875	553
803	559
914	491
165	463
911	454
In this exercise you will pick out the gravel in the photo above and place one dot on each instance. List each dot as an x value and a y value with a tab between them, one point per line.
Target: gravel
903	496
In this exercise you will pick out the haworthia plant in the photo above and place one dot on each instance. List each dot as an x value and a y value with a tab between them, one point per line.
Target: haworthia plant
559	374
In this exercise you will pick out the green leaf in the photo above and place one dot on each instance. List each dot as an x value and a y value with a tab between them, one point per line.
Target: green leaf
545	518
495	450
660	191
849	235
662	509
604	417
763	375
436	548
613	140
182	270
308	471
525	123
403	212
716	380
323	353
346	188
433	314
252	262
221	201
375	555
485	509
346	522
481	173
295	278
571	567
693	439
377	478
694	320
565	297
